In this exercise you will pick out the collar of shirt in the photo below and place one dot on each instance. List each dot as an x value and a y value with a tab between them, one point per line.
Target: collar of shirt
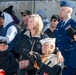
66	21
28	34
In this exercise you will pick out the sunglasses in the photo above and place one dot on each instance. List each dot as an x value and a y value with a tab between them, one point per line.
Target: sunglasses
53	20
23	15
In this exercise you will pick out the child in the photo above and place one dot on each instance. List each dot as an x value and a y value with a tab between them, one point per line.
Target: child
8	64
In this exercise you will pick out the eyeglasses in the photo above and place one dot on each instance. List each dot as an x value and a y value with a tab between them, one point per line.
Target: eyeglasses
53	20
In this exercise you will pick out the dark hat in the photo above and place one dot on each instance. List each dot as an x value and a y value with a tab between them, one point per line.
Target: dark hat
66	3
9	9
57	17
3	41
1	15
27	12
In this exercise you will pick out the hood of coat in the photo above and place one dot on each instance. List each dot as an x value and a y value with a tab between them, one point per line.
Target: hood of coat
7	19
42	13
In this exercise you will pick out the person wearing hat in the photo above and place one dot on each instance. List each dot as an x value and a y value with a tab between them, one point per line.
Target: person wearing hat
63	41
8	64
47	64
25	15
8	30
55	19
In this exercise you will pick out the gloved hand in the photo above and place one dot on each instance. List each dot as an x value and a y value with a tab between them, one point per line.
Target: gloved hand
71	31
31	59
38	60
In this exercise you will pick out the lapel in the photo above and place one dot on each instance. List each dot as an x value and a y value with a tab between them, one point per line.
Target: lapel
66	25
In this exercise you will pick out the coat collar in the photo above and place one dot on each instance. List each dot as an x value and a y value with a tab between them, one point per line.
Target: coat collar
68	23
67	20
28	34
51	59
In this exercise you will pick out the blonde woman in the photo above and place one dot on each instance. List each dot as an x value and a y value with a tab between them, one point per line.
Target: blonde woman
28	42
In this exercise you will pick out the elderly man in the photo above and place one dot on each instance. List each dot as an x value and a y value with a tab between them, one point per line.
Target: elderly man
48	64
25	15
8	64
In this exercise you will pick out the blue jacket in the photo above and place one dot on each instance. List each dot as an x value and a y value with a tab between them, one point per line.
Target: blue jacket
8	31
63	40
3	32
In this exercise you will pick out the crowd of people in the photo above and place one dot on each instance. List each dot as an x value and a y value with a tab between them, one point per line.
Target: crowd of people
38	46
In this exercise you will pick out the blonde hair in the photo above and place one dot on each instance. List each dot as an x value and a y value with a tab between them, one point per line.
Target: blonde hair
38	23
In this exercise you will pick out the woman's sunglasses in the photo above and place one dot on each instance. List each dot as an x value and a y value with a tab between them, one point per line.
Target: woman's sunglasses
23	15
53	20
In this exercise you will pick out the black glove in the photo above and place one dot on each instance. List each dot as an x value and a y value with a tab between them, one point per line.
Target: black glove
34	58
71	31
38	60
31	59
